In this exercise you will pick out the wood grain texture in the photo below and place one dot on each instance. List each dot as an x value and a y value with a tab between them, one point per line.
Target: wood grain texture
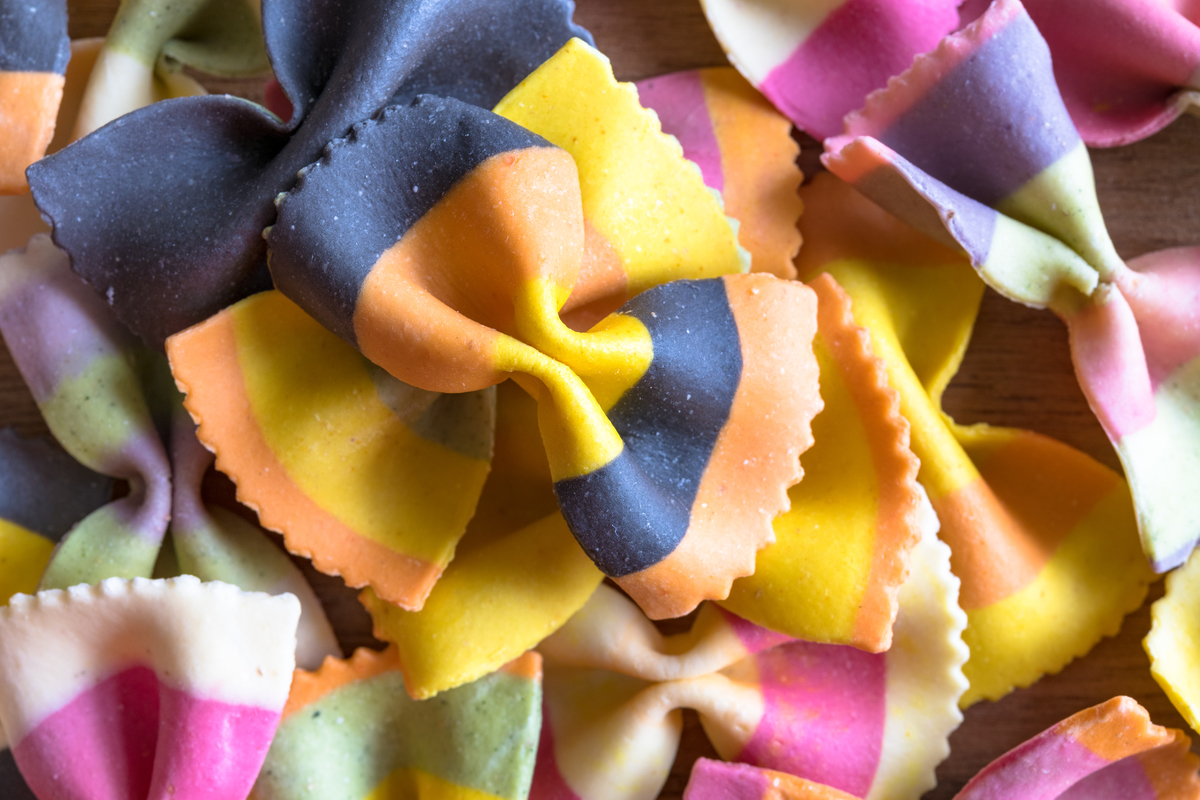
1017	372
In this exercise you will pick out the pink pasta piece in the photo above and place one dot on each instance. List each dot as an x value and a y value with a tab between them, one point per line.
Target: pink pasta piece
144	689
974	146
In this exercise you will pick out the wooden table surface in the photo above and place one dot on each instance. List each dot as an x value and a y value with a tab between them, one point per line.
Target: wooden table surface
1017	371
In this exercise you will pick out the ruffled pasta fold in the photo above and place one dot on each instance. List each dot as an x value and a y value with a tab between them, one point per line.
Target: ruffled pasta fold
83	371
1032	524
144	688
105	399
874	725
1028	218
350	732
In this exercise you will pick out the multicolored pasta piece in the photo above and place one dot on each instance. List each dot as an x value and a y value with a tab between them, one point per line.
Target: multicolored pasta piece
372	479
106	398
143	688
688	368
1028	218
82	370
34	50
1108	752
517	575
350	732
224	176
21	218
1034	526
817	59
874	725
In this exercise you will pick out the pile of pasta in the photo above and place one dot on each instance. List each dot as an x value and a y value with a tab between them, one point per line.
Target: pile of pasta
534	359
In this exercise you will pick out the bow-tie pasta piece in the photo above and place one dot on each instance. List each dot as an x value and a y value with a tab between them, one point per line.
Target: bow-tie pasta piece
817	59
721	780
745	151
650	419
43	494
350	732
225	174
82	370
1108	752
939	148
372	479
149	43
1043	537
1126	68
34	50
105	399
874	725
144	689
1172	644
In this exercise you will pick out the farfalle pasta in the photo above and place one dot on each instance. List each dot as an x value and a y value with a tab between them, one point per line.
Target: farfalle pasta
721	780
238	156
1027	216
143	689
350	732
685	367
1034	526
105	399
81	369
518	575
874	725
816	60
1112	750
